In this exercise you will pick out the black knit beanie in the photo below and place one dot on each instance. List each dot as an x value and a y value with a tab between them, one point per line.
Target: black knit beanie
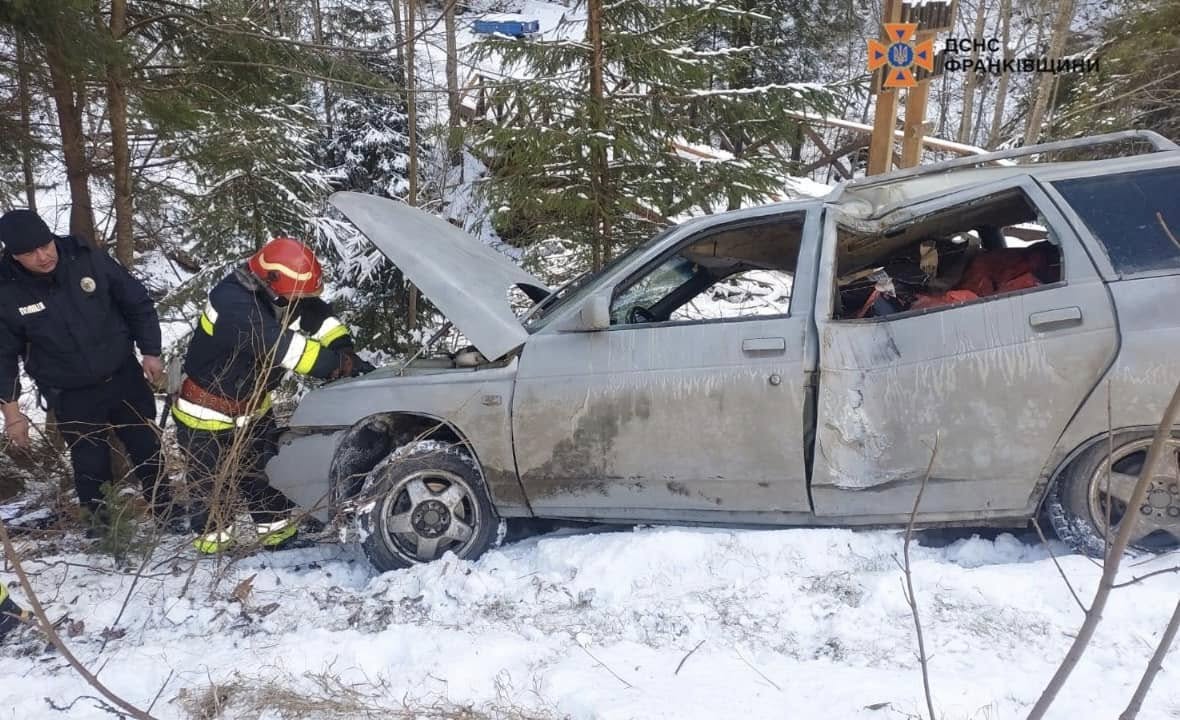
23	231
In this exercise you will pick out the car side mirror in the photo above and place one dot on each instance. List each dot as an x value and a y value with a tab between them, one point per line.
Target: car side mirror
595	313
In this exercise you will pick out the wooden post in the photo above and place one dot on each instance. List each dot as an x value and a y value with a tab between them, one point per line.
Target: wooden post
915	124
915	116
881	146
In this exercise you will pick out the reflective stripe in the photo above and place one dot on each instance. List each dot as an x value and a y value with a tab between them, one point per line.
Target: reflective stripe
295	350
3	592
199	417
307	361
264	528
208	318
276	533
330	331
279	267
214	542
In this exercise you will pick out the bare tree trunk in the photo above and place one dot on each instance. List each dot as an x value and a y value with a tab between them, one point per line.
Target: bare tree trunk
412	131
69	119
1114	557
973	77
598	172
121	153
983	93
318	28
399	39
1153	667
993	139
26	149
454	138
1045	83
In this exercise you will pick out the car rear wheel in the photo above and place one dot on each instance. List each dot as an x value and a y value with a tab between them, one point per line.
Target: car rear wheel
1093	492
429	500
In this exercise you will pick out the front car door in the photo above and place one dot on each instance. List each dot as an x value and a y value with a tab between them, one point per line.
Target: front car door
996	379
690	405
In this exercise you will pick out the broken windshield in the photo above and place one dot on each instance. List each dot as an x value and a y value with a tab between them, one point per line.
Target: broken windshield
583	284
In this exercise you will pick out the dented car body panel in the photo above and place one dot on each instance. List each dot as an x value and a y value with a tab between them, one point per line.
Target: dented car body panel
801	416
999	369
473	403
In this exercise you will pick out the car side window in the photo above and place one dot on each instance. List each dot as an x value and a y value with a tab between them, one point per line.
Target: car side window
743	294
1134	215
984	248
735	272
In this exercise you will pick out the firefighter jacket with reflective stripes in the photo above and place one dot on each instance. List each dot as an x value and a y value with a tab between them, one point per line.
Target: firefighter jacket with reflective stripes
74	327
244	340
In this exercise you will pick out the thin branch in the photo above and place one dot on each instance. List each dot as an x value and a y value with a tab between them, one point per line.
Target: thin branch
48	628
612	672
1153	666
161	691
909	581
686	657
1064	577
1141	578
760	673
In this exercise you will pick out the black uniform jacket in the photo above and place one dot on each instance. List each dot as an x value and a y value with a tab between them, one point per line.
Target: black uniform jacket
243	339
74	327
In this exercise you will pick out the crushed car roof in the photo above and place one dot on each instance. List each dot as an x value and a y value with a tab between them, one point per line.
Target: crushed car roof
867	197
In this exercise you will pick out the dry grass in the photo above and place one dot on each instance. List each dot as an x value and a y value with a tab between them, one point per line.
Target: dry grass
325	696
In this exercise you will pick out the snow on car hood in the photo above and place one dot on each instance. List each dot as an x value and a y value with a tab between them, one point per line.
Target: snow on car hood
467	280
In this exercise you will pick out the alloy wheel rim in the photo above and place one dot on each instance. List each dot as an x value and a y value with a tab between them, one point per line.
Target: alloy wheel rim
1157	525
428	513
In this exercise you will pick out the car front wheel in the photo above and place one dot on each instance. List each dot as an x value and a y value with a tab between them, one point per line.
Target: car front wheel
429	499
1090	499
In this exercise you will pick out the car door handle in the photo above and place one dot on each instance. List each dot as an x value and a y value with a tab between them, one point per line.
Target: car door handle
1059	317
765	344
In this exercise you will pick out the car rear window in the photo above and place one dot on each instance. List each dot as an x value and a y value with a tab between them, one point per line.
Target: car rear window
1135	215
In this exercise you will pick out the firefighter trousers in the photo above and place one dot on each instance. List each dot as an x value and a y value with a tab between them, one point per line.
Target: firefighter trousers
225	466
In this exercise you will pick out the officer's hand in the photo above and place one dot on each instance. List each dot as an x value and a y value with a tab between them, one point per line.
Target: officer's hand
18	432
153	369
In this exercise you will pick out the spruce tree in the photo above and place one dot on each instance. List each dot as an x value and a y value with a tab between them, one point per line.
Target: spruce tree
665	98
1137	84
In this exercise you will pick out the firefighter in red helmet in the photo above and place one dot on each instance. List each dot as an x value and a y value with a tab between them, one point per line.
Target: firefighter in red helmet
260	321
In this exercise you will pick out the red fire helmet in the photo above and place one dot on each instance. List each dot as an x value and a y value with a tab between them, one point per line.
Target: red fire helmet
289	268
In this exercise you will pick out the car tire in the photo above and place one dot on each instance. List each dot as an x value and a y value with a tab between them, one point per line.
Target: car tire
1078	503
428	498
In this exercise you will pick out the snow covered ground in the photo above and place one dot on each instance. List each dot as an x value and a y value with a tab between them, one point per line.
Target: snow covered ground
579	624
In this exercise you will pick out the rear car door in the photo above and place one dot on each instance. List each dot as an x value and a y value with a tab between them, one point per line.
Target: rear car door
996	380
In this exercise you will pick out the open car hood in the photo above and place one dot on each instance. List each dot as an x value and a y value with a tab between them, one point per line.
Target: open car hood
466	279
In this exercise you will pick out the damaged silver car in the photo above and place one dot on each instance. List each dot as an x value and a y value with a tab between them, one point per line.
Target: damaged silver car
785	365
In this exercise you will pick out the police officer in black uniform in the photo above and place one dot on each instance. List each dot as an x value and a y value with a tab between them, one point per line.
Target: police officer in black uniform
71	313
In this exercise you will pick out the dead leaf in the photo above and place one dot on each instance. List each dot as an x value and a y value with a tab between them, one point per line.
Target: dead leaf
112	633
242	591
878	706
266	609
75	628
